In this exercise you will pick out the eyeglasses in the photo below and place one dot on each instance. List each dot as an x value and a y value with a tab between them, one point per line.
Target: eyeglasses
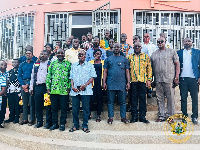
81	55
137	46
160	42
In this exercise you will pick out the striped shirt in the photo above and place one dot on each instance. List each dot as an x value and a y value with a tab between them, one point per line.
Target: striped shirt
2	84
140	67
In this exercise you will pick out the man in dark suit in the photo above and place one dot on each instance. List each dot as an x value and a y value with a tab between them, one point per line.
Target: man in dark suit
189	77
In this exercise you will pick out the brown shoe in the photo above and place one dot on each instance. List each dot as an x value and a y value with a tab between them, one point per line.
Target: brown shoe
23	122
160	120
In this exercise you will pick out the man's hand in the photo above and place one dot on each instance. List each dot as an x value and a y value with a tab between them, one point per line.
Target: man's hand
105	86
198	81
31	92
176	81
82	88
127	86
48	91
148	83
75	89
25	88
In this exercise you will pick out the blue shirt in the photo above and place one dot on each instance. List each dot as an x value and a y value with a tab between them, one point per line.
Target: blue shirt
80	75
116	77
23	59
90	56
2	83
24	72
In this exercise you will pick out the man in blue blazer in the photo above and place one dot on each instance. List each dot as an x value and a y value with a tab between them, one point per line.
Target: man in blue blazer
189	77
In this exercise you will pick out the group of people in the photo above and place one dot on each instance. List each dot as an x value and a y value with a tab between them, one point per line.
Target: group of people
80	71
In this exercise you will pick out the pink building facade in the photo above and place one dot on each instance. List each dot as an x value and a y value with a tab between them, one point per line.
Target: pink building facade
36	22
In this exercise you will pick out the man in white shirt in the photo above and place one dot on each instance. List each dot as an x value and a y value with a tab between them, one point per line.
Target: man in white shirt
189	78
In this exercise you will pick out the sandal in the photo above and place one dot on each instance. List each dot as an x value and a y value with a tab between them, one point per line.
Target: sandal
98	119
73	129
86	130
110	120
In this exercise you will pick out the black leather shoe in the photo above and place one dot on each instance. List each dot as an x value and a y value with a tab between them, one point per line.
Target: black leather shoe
133	120
55	126
47	126
62	128
124	120
23	122
1	126
194	120
144	120
8	121
31	123
38	125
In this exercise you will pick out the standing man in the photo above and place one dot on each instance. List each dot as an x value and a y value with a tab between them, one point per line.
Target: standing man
166	69
124	46
23	58
105	42
58	85
68	44
3	97
82	75
24	77
141	76
13	92
38	85
116	80
189	77
136	38
148	45
167	45
72	53
89	53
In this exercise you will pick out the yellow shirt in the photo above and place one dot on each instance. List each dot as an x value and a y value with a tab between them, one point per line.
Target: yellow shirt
72	55
140	67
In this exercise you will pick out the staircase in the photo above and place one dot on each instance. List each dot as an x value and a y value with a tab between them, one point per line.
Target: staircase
102	136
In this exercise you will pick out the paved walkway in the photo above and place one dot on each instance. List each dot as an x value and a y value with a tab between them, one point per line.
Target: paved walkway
4	146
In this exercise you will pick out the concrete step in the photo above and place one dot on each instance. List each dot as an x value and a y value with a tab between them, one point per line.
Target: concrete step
151	115
31	142
117	125
57	139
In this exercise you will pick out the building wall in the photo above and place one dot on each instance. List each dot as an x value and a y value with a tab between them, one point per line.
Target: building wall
127	7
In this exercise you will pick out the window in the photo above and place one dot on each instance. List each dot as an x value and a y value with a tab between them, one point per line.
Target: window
16	32
176	25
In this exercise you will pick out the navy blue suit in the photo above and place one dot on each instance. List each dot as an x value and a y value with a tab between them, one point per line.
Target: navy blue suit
190	84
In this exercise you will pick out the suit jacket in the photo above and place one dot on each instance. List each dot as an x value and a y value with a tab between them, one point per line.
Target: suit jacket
195	61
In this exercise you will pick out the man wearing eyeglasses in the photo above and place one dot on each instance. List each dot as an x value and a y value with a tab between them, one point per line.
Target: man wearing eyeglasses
82	75
141	76
166	69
